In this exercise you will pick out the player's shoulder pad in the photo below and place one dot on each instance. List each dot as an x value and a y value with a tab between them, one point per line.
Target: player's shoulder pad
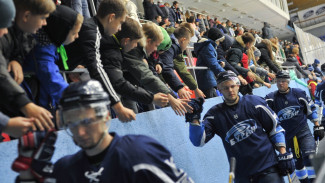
140	145
271	95
298	92
253	99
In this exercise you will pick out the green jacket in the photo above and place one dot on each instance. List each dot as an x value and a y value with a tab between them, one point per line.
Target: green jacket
142	73
293	76
181	69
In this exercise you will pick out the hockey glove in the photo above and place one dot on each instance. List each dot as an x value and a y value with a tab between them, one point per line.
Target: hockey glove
35	152
197	105
41	165
286	163
319	132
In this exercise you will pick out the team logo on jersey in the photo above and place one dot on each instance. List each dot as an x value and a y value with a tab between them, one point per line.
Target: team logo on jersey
236	116
241	131
288	112
93	176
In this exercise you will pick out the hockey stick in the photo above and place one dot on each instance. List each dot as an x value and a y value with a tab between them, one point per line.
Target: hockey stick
232	169
317	143
289	178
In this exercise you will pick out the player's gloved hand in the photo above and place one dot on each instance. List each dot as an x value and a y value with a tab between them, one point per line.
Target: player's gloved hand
319	132
41	165
197	105
35	152
286	163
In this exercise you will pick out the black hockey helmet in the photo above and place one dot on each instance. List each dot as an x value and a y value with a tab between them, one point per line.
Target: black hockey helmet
82	95
227	75
283	74
322	67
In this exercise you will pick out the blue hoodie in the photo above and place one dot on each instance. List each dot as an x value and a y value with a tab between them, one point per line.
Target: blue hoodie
207	56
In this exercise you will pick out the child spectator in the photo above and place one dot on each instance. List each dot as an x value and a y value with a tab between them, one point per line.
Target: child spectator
62	28
86	49
207	56
30	16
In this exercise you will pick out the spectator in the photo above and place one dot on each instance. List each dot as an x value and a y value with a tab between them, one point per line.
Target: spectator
312	83
137	60
229	28
202	28
240	31
42	59
206	23
181	69
317	71
85	50
80	6
267	56
235	54
164	9
132	9
112	49
165	23
267	31
172	15
17	126
151	10
180	42
157	20
207	56
292	61
211	21
15	46
222	28
196	36
178	12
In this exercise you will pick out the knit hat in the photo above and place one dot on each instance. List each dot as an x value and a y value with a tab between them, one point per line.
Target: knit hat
215	34
7	13
257	53
166	43
316	61
311	68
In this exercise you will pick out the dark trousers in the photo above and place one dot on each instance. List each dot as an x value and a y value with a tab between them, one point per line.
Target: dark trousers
270	175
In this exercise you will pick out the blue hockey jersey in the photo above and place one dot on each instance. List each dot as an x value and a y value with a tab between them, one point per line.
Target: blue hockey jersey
130	158
248	131
293	109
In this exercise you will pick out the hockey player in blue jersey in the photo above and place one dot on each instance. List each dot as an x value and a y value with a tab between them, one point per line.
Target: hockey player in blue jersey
104	157
319	100
293	108
249	130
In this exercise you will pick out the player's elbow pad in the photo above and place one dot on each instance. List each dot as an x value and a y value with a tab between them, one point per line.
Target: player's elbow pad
197	135
313	116
278	138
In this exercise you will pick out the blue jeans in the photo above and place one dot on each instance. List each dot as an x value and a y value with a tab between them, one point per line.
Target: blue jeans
81	6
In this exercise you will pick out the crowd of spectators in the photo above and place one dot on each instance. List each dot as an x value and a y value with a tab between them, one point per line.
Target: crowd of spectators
140	64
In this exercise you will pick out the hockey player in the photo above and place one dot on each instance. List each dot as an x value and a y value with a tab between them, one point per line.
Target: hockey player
104	157
249	130
293	107
319	100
